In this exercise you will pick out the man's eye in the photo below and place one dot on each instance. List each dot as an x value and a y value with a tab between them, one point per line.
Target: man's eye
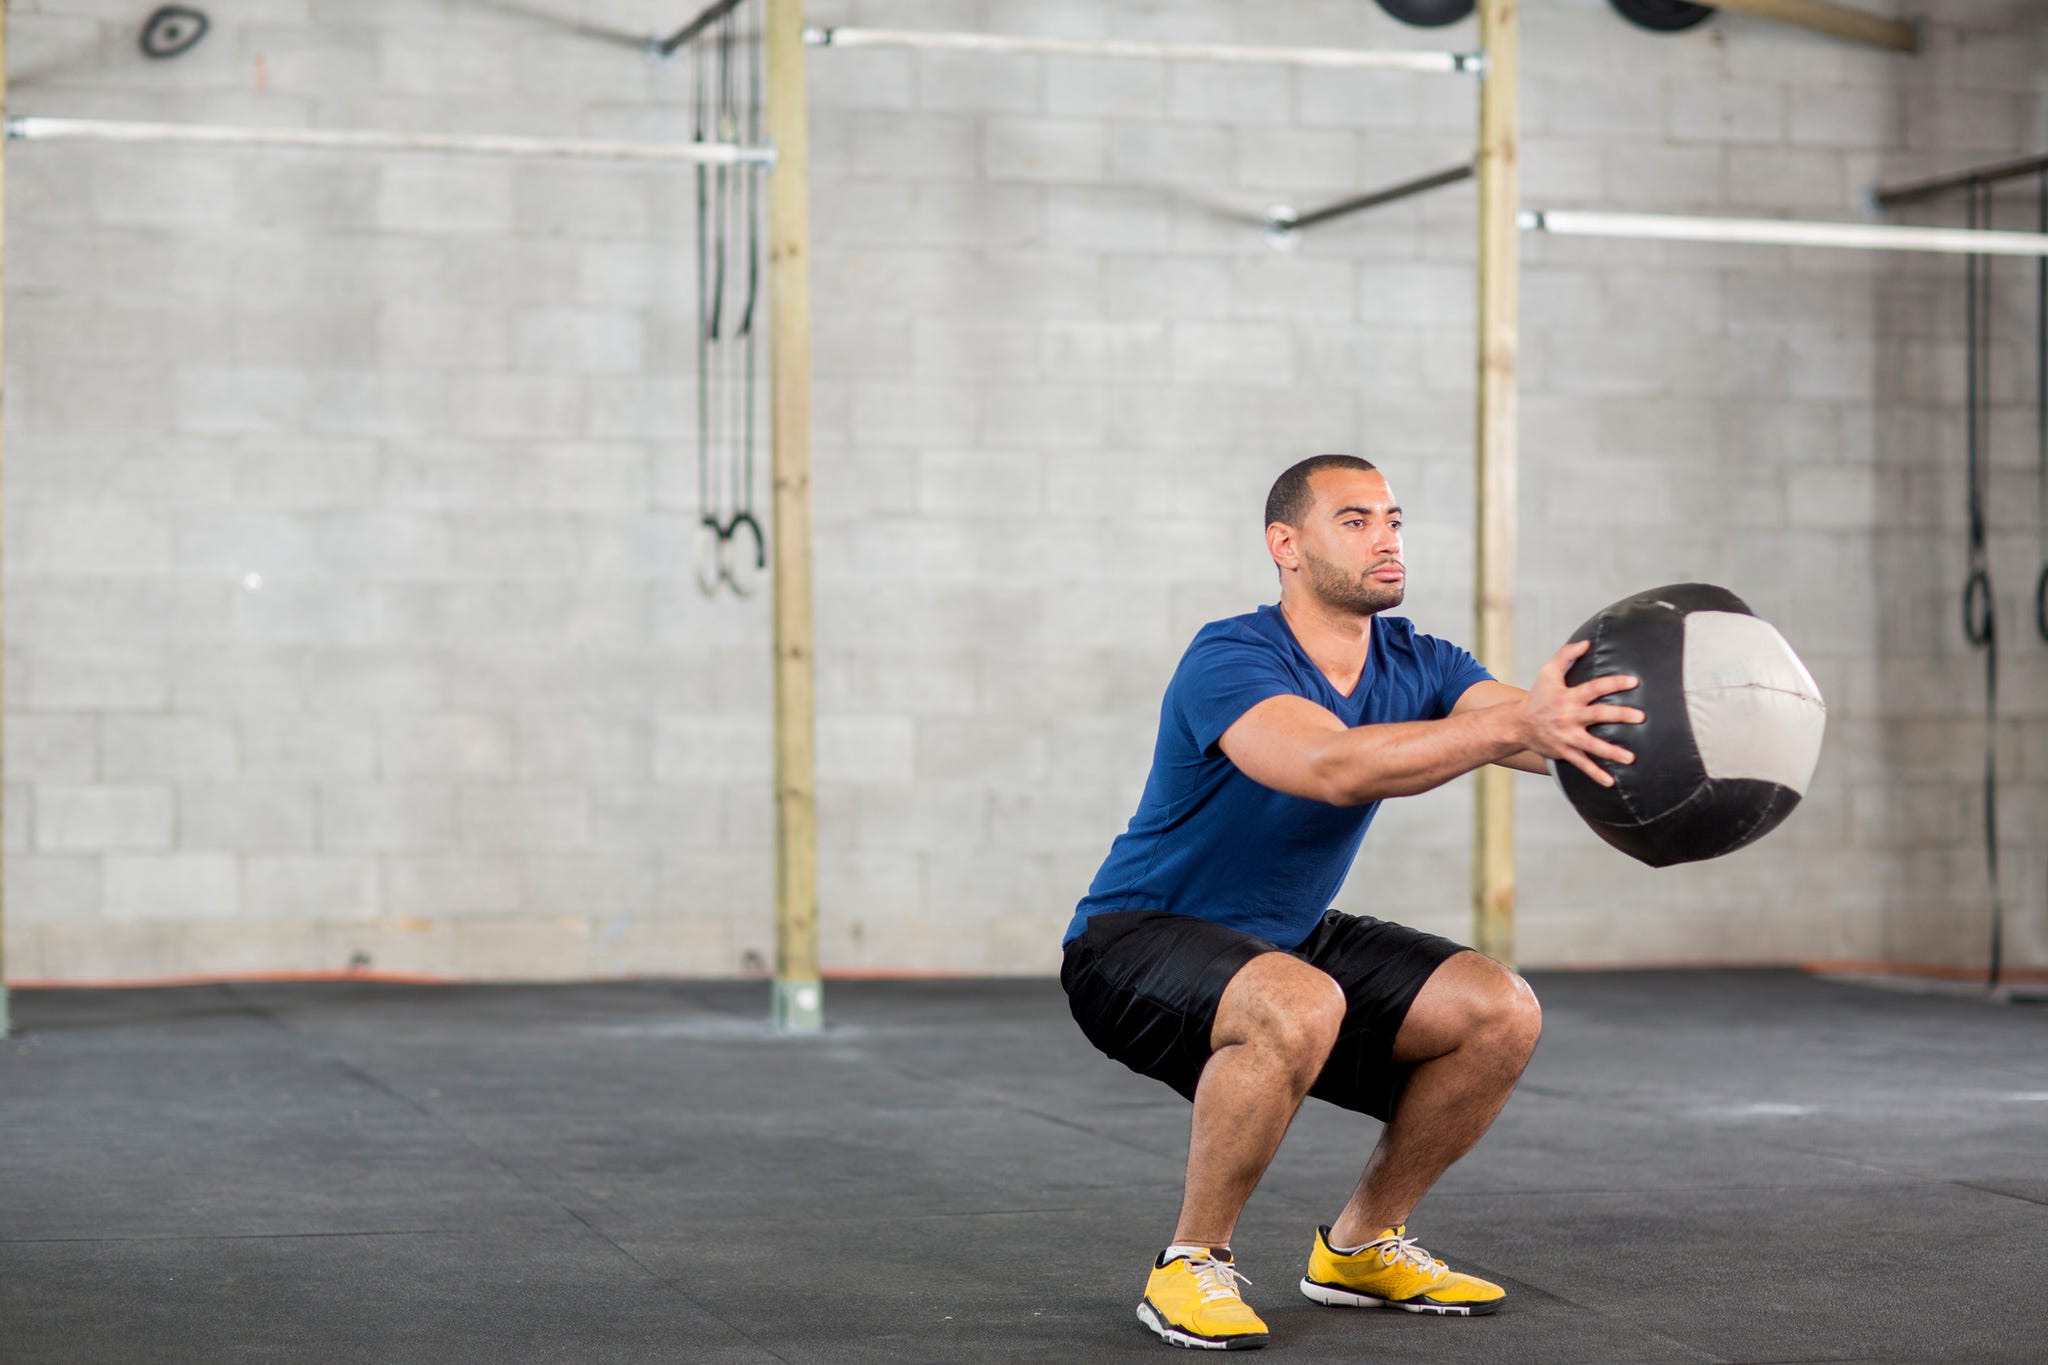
1395	524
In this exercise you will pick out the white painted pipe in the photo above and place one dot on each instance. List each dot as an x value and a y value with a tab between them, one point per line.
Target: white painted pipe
477	144
1784	232
1330	57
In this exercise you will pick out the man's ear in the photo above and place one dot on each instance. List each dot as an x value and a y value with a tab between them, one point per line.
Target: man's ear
1280	544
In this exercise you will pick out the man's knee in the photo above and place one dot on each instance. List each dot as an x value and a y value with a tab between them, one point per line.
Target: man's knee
1471	1001
1513	1014
1280	1004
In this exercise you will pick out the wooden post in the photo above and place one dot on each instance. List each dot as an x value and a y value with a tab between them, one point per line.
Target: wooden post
1837	21
798	1003
1494	522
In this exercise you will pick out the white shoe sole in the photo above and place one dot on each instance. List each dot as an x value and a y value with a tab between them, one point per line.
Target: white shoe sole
1174	1336
1344	1298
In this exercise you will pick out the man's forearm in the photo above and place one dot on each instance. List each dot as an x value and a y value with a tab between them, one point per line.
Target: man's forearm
1370	762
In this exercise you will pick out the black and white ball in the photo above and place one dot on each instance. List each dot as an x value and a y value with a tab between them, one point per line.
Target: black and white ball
1731	733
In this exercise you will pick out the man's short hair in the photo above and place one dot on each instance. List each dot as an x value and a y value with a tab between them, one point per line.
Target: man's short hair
1291	497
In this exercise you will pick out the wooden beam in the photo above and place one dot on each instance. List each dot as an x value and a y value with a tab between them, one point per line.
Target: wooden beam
1837	21
1494	522
798	1000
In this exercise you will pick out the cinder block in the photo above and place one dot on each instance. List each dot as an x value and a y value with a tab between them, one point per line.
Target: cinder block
1044	149
974	82
1235	352
46	748
908	146
1044	417
1214	92
430	334
1283	288
1839	116
172	887
1169	154
444	886
1295	160
523	817
1103	87
185	748
317	887
275	744
296	472
378	403
600	885
100	540
738	886
862	78
1109	350
51	890
557	341
1165	287
387	817
423	61
976	484
1965	120
446	195
1781	178
427	746
311	613
946	347
101	818
585	747
1628	103
1091	218
135	187
1726	111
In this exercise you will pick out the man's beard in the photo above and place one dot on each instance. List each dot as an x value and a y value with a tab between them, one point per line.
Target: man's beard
1360	596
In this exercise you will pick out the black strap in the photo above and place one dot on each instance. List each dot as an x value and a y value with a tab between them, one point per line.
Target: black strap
1980	615
2041	408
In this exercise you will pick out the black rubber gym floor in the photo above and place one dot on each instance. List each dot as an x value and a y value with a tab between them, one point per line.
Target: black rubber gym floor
1727	1166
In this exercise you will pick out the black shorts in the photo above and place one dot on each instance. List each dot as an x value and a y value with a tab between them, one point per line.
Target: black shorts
1144	985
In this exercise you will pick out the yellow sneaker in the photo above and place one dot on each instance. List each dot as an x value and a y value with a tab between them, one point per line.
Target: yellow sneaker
1193	1301
1391	1271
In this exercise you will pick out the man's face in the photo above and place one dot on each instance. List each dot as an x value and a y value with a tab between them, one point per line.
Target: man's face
1351	542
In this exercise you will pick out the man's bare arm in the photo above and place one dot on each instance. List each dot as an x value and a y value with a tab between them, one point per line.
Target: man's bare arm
1481	695
1292	745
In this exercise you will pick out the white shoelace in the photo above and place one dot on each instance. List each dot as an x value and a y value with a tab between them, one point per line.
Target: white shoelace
1394	1250
1216	1279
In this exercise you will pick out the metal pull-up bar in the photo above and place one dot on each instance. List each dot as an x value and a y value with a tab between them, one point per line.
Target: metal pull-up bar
690	32
1284	220
35	129
1329	57
1921	190
1785	232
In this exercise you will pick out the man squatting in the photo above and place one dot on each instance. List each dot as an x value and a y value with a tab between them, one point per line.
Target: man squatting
1205	955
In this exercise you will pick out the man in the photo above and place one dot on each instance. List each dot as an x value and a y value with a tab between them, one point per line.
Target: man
1204	955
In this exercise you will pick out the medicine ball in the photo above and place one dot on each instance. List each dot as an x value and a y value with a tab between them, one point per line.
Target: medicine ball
1731	730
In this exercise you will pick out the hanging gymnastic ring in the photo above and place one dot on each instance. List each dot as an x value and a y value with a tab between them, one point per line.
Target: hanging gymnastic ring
726	534
711	570
1978	624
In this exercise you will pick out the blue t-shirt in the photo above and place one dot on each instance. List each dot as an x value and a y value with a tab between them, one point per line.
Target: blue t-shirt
1209	841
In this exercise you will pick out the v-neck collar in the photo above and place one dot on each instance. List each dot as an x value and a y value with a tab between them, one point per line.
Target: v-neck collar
1372	654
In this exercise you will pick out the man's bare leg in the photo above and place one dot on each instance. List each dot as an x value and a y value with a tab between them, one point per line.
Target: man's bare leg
1468	1035
1274	1028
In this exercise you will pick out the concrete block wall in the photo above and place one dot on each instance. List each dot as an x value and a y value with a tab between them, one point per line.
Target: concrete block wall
351	504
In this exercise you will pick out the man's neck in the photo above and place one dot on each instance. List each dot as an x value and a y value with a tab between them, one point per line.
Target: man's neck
1336	642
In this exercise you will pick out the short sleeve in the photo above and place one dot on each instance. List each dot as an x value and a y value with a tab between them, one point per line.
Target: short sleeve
1456	670
1221	677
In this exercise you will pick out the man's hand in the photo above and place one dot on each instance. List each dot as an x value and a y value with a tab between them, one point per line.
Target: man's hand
1555	717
